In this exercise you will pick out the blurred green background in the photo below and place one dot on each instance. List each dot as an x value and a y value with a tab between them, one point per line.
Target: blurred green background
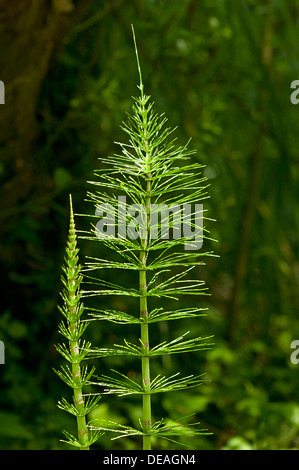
221	70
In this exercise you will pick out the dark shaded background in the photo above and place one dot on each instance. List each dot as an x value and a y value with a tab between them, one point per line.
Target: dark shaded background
221	71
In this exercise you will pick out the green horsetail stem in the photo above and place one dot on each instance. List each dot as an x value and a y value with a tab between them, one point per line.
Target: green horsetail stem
72	309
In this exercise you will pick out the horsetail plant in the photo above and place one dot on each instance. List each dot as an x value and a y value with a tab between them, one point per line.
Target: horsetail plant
75	376
154	178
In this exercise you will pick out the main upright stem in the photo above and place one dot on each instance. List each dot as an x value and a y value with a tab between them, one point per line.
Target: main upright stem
146	421
146	378
146	414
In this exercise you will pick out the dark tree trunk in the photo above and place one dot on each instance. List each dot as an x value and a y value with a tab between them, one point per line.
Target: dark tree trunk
31	32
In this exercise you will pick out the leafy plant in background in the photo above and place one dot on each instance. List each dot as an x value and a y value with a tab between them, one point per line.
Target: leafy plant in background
149	171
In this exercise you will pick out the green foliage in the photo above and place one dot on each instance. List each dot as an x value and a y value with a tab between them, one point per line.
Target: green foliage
226	83
149	170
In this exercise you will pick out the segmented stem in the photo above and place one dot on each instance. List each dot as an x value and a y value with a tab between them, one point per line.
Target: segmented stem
146	379
147	423
73	310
